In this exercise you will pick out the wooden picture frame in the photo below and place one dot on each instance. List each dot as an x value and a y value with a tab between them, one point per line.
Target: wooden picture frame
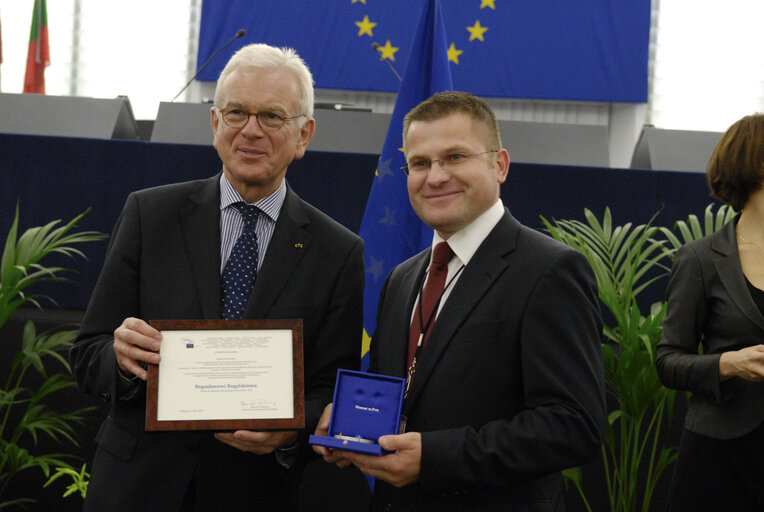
227	375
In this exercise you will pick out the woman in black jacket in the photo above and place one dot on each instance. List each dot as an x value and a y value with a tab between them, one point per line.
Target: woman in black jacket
713	338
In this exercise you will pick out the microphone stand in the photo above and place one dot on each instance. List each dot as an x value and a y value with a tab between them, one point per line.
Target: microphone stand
375	47
238	34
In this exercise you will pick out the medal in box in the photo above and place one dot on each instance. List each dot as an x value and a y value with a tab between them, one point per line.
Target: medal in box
365	407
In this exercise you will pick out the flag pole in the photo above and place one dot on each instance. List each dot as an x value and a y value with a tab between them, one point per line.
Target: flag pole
391	230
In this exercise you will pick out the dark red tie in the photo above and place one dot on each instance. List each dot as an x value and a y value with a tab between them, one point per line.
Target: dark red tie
433	290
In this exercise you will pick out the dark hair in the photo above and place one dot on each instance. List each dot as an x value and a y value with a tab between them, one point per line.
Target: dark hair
736	167
446	103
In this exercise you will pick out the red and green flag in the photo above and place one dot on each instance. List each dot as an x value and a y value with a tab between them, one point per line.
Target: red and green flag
38	57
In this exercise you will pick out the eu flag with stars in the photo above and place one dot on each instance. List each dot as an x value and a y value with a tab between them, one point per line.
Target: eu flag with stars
539	49
390	228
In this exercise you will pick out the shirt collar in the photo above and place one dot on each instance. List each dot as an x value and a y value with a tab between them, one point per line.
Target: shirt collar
466	241
270	205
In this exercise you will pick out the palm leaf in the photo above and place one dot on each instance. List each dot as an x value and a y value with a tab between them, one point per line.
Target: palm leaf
9	252
20	268
691	230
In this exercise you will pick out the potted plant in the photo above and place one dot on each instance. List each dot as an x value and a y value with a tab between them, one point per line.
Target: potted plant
26	414
627	259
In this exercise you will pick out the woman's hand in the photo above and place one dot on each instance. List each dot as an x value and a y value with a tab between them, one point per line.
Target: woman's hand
746	363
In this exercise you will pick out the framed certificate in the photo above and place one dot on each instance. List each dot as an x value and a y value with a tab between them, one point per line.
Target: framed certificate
227	375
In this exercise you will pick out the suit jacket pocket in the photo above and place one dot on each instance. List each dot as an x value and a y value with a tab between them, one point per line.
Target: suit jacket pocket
117	441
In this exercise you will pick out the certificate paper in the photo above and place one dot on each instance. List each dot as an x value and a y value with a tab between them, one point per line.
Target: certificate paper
221	375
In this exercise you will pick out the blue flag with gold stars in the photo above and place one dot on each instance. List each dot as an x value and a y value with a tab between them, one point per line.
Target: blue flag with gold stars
390	228
541	49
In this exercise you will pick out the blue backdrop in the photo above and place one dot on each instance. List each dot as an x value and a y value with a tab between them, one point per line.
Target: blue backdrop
592	50
59	177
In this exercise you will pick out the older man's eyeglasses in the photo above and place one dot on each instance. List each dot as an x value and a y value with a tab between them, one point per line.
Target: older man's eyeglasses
450	162
268	121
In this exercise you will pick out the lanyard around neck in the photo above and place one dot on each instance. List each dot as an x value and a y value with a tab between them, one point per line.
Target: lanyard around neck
423	327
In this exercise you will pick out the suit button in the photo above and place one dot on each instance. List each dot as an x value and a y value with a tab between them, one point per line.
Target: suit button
106	397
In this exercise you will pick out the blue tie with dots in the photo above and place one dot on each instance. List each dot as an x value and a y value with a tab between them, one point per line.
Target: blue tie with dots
241	269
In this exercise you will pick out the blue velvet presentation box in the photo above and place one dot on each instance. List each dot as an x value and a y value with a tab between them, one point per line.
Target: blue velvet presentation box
366	406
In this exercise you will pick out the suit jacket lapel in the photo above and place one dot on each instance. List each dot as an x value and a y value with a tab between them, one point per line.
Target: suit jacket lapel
727	264
287	247
486	265
200	223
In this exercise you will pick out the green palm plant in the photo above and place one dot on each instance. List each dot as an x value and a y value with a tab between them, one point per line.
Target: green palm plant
627	259
20	266
692	230
80	480
25	413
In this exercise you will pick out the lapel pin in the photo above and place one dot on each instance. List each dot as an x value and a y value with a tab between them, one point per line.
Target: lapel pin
298	246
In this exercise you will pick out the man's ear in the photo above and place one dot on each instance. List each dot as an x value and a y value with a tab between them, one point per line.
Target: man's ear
306	133
502	165
214	122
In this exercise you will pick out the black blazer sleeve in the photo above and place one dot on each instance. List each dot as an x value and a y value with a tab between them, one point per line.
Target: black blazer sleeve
679	363
115	298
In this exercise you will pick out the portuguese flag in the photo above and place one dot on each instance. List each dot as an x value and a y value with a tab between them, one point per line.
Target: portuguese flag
38	57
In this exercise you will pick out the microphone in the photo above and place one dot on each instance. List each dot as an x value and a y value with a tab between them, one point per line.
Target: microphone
375	47
238	34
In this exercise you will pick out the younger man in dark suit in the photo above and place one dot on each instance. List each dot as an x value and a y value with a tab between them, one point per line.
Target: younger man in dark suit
165	261
506	384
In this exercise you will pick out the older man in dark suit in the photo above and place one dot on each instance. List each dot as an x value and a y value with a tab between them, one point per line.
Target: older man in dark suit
503	358
168	253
